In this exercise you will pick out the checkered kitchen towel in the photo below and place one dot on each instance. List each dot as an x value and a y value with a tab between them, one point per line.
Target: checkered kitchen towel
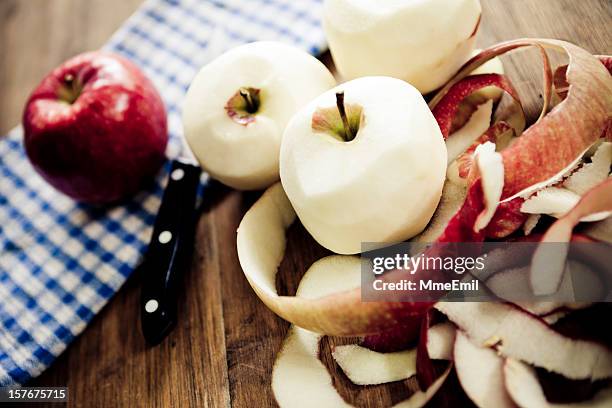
60	262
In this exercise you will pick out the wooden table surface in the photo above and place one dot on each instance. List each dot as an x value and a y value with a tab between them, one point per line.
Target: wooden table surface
223	348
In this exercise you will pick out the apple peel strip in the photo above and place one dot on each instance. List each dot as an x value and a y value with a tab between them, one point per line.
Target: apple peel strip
480	373
398	338
261	245
493	134
530	164
524	388
555	201
593	173
299	378
559	200
559	77
547	82
366	367
505	327
506	284
491	169
460	140
420	398
447	107
595	201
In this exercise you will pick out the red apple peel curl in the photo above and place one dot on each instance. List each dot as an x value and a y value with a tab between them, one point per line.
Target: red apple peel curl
597	200
560	81
530	163
447	108
396	339
571	127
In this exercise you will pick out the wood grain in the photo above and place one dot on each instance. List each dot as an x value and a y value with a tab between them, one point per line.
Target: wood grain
222	350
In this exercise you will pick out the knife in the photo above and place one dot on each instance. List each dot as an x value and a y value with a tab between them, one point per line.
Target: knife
170	250
171	247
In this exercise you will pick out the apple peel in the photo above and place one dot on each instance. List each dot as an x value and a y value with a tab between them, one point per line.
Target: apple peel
528	191
506	327
460	140
493	134
261	245
493	66
366	367
420	398
507	219
491	170
425	370
470	104
299	378
529	165
559	77
595	201
558	200
530	223
445	108
453	196
440	340
547	82
398	338
509	283
524	388
599	231
555	201
572	126
480	372
593	173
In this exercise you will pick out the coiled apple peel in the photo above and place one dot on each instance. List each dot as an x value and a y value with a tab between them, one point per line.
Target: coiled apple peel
329	303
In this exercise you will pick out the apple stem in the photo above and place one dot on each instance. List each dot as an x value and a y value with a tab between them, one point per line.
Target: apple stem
250	99
348	133
71	90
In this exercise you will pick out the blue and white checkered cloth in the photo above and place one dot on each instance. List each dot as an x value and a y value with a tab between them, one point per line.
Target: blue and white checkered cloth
60	262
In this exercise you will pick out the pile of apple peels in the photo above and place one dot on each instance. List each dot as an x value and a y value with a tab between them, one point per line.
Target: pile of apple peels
500	178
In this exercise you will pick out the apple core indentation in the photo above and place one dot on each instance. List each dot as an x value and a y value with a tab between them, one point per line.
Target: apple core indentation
244	105
341	121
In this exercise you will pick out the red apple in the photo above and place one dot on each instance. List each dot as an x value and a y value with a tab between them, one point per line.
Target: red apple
95	128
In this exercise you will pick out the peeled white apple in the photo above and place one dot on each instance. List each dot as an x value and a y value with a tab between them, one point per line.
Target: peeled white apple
423	42
383	185
237	108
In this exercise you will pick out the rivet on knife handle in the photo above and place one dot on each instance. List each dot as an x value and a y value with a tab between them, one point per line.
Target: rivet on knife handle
169	252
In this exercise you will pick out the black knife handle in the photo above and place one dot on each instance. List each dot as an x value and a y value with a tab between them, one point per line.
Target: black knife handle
169	252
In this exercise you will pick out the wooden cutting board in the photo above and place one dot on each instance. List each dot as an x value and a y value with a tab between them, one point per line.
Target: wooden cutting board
222	350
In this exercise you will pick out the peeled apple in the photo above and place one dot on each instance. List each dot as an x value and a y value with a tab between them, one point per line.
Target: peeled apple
423	42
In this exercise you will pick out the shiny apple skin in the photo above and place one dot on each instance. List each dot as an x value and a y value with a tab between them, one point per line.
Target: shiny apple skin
109	142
